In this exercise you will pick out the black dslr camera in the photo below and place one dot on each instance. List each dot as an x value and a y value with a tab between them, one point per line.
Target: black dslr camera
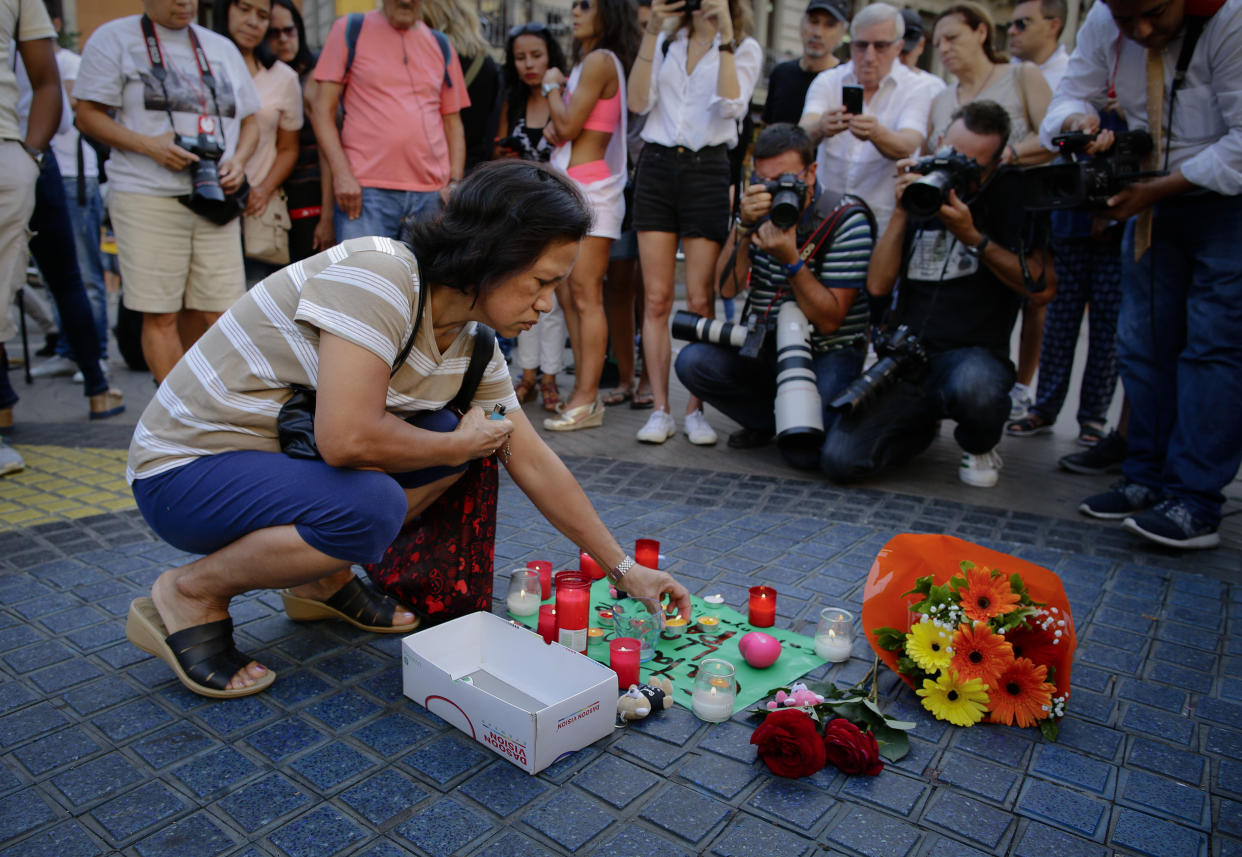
944	171
788	196
1087	181
205	172
901	355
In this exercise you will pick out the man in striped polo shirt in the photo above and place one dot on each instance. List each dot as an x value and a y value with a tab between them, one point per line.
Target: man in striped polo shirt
826	287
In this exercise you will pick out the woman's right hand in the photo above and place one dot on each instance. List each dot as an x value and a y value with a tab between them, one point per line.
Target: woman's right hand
660	11
481	436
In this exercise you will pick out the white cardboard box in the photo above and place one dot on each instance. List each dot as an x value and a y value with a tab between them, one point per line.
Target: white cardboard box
503	686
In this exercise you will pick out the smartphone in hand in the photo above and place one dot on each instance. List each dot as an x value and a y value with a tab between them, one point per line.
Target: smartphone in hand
852	99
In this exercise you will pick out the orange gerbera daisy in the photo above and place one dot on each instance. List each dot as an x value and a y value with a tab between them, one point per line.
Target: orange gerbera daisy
1020	694
979	653
986	596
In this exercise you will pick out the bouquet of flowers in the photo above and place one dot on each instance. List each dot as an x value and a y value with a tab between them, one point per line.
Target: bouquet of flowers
981	643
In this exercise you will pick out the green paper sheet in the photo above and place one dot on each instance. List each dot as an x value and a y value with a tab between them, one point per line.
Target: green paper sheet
676	658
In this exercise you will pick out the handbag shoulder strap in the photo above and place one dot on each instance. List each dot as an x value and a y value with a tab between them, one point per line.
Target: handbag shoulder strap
418	320
484	348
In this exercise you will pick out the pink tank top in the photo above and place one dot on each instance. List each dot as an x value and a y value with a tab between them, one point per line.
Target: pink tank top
605	115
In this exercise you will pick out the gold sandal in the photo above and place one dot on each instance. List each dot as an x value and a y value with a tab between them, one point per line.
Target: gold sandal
581	417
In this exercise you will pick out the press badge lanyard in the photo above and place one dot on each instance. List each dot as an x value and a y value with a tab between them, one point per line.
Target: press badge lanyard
156	57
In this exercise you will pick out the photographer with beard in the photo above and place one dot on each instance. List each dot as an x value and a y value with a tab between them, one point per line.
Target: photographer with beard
819	262
960	282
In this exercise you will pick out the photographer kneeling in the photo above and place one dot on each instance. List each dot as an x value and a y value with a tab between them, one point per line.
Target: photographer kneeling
962	283
804	256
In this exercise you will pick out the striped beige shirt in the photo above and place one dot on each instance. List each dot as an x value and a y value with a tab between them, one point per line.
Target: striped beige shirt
226	392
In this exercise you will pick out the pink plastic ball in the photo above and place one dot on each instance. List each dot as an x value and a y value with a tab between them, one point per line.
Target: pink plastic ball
759	649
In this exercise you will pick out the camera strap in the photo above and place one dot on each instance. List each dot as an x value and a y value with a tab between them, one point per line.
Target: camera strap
155	56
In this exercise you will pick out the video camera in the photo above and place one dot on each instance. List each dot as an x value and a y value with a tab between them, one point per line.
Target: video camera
901	355
944	171
1087	181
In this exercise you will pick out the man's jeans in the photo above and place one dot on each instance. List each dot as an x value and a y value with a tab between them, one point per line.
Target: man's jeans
1180	344
967	385
87	220
744	390
384	212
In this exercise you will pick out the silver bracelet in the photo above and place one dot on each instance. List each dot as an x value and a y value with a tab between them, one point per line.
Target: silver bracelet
618	573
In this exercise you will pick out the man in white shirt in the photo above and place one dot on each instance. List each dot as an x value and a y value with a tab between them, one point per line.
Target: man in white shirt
1181	305
858	152
1034	31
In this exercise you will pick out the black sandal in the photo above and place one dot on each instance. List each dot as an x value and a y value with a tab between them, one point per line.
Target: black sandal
203	657
355	603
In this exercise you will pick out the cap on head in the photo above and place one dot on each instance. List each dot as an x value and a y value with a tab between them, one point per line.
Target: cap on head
839	9
914	29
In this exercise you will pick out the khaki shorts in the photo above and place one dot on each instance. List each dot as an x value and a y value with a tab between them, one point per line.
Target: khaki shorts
172	258
18	174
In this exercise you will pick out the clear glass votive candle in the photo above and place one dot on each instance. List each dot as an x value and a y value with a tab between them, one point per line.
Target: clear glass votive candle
523	592
715	688
834	636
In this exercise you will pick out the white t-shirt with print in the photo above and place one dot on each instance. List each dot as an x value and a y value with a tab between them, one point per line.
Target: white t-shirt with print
116	72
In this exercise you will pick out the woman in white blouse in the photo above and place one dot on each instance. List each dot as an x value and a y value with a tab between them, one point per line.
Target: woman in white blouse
694	84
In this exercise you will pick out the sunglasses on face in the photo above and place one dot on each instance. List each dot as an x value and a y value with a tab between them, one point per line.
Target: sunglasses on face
583	5
1020	24
530	28
880	47
282	32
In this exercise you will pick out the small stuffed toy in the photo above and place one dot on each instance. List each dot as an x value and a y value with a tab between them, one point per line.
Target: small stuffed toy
798	696
640	700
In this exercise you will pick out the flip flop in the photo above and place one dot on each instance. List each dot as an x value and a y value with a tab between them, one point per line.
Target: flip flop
642	402
354	603
203	657
618	396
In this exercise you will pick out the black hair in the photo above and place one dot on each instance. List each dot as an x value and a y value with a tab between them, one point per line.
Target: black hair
1054	9
617	21
515	90
985	118
54	9
497	223
304	59
220	23
781	137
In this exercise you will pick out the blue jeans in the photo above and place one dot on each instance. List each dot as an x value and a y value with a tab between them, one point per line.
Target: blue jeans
744	390
384	212
87	220
967	385
1181	355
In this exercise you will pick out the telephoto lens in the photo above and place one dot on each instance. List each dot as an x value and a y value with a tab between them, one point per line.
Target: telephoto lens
923	198
799	408
695	328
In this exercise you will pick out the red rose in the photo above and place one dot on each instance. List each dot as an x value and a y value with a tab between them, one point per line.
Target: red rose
851	750
789	744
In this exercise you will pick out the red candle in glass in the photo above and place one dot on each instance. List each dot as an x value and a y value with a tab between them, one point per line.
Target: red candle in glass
762	606
545	577
590	567
623	655
547	623
647	552
573	606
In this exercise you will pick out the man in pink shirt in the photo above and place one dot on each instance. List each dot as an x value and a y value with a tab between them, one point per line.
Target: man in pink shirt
401	148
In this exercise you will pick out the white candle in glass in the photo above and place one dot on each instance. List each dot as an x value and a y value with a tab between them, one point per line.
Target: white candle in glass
831	647
713	705
834	636
523	597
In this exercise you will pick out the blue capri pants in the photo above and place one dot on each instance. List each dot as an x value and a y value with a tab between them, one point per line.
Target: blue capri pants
352	515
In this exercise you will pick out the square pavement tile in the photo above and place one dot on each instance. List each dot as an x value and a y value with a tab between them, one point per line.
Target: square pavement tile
1181	764
503	788
98	778
685	813
446	758
513	844
889	790
872	834
53	751
1156	837
568	819
721	776
998	744
793	802
1075	769
749	837
614	781
29	723
730	739
319	833
949	848
173	744
329	766
381	797
973	775
1076	812
341	709
1040	840
23	811
1166	798
63	840
649	751
228	716
284	738
259	804
99	695
968	818
213	771
131	719
444	828
195	836
292	687
632	841
137	810
391	735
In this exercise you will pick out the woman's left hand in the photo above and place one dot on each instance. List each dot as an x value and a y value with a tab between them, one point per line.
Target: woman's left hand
650	583
554	75
257	202
231	175
717	11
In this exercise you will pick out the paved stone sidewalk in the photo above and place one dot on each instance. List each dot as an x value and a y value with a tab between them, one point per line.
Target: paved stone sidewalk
102	752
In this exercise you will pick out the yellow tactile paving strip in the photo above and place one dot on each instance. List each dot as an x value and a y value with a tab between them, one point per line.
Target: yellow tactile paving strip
63	483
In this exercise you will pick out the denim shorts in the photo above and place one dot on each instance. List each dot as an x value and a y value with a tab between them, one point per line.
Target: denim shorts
682	191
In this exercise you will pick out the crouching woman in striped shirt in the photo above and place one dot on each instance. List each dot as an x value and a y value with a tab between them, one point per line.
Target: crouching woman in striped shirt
206	464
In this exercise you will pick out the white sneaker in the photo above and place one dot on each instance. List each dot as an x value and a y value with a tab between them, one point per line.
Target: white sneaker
659	428
697	429
1021	398
53	366
10	461
980	471
78	377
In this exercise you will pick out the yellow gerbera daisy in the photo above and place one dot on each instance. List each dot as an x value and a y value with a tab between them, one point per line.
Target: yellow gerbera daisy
928	645
962	703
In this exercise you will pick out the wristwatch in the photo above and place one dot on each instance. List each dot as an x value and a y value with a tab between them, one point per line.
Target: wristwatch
35	154
729	46
790	270
976	252
549	88
624	566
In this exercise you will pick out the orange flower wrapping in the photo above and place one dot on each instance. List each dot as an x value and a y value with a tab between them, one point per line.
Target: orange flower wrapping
908	557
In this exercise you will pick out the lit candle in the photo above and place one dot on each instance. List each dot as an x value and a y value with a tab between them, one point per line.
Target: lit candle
595	636
714	691
547	623
545	577
762	606
834	636
708	621
623	658
523	603
573	605
830	647
647	552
